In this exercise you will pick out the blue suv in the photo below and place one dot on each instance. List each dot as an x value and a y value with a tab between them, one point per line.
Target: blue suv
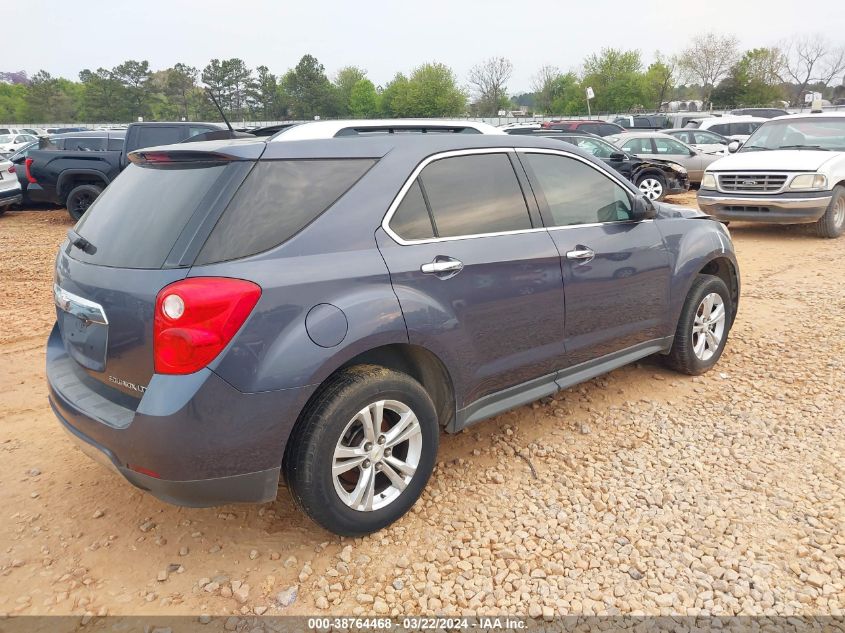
231	312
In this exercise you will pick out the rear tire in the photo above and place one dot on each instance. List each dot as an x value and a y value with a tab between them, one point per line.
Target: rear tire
832	223
80	198
702	330
351	478
652	186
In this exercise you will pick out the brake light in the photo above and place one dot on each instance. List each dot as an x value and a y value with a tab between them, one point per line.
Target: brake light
28	165
196	318
12	169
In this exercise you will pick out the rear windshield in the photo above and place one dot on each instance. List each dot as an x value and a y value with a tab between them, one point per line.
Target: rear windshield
136	221
276	201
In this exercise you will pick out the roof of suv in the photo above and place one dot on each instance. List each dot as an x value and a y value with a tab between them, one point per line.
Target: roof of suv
357	127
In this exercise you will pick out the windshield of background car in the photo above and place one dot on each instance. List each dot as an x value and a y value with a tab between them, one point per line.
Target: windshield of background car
6	138
813	133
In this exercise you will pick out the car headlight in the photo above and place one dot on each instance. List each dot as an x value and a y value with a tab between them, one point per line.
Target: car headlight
678	168
708	181
809	181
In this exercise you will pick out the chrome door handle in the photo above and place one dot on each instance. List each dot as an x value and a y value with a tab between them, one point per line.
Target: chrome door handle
581	253
441	266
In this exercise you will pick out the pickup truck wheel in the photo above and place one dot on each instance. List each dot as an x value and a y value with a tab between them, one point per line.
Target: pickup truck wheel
363	450
832	223
652	186
80	198
703	328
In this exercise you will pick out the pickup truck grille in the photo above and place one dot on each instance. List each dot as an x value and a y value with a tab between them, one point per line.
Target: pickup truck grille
752	183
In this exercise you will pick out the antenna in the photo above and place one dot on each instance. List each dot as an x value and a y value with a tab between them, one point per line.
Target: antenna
219	109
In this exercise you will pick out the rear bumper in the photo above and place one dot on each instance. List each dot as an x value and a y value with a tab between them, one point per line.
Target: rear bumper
206	442
778	209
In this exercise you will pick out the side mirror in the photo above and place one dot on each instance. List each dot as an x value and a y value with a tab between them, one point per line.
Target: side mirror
733	146
615	156
643	209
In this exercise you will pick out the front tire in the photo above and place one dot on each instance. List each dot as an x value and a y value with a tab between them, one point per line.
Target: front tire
80	198
832	223
363	450
702	330
652	186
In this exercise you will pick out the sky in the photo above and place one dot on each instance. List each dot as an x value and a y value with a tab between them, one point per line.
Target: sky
385	37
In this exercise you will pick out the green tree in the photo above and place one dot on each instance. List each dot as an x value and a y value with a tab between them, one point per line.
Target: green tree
135	77
310	91
102	96
431	91
266	94
363	99
345	80
615	77
566	95
394	96
49	99
658	82
12	101
180	87
757	76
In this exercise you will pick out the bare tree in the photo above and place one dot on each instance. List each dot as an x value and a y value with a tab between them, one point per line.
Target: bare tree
709	59
812	60
542	84
490	79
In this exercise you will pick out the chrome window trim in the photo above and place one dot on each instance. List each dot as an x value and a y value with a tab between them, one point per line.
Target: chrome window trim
391	210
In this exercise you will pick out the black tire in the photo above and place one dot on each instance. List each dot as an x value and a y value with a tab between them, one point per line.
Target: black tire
80	198
309	454
832	223
682	357
654	176
4	209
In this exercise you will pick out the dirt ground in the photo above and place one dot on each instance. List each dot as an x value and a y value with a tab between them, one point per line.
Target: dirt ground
642	491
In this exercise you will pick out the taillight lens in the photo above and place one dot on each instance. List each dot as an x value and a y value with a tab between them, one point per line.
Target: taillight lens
29	177
12	169
196	318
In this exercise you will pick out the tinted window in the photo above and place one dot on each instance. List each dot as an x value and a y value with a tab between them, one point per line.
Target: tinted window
115	144
85	144
597	148
721	128
135	222
592	128
686	137
152	136
706	137
606	129
411	220
577	193
470	195
277	200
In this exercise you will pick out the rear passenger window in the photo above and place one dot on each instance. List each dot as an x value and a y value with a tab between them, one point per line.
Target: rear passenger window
577	193
412	220
476	194
277	200
116	144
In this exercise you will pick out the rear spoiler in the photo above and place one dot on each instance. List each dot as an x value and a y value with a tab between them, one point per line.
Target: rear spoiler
218	135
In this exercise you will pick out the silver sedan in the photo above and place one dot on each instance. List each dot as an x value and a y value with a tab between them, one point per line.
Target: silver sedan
659	145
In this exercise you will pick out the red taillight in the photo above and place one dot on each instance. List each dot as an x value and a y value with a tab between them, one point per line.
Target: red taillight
12	169
29	177
196	318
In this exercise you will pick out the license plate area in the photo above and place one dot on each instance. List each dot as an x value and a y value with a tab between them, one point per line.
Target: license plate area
84	329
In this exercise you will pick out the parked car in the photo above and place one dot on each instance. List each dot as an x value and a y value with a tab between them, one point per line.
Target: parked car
658	145
600	128
80	165
18	168
231	311
10	190
682	119
35	131
654	178
791	171
643	121
10	143
706	141
735	128
764	113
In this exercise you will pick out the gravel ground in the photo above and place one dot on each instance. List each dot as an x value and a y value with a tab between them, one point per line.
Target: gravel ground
640	492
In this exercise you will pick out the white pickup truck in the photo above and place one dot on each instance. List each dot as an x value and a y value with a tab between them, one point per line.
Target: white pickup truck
790	171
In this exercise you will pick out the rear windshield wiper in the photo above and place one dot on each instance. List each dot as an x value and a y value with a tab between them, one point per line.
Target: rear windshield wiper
819	147
80	242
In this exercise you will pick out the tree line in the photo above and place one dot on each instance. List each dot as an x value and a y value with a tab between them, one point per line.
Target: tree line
713	69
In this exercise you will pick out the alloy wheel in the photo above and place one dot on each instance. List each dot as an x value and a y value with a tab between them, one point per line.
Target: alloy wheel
377	455
708	328
839	213
651	188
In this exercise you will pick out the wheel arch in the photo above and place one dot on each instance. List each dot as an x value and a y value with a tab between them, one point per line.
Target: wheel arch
69	179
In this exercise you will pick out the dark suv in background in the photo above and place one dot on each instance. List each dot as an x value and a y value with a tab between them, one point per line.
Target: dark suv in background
231	311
